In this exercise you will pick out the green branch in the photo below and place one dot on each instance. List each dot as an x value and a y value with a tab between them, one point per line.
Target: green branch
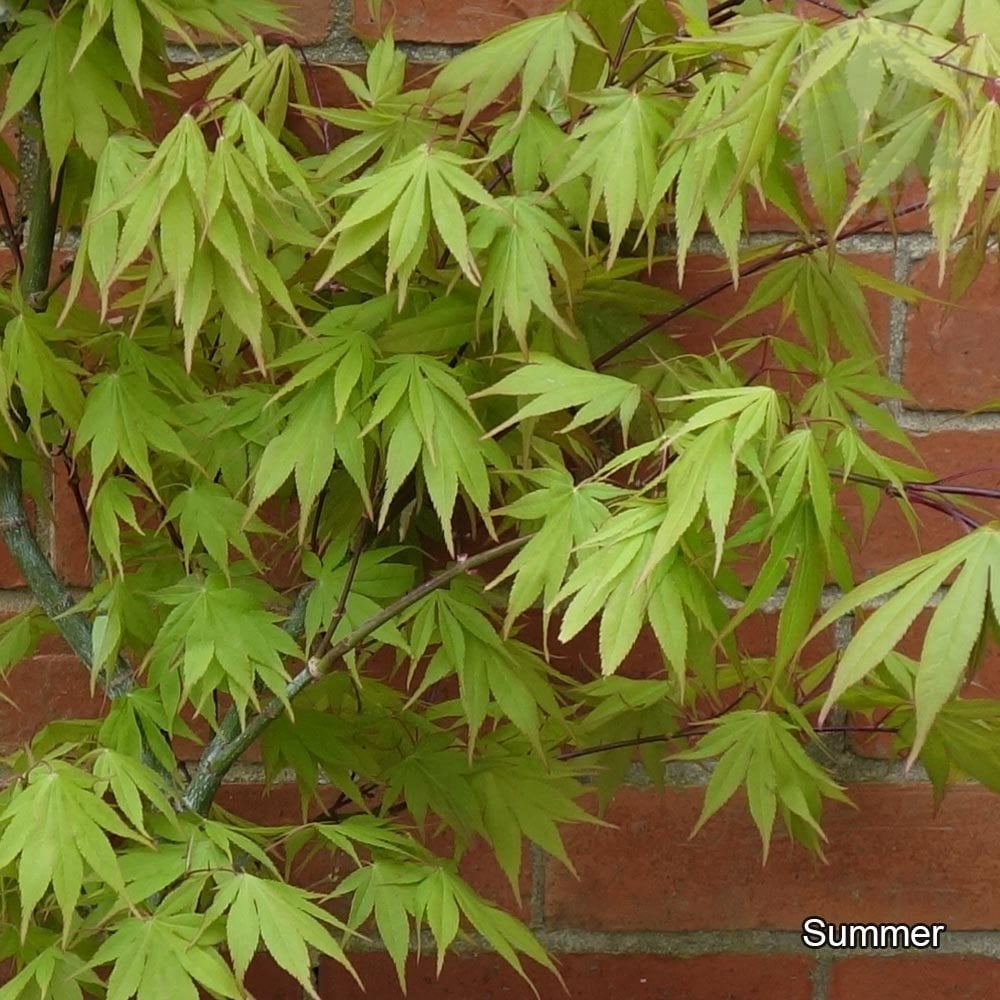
51	594
218	759
43	216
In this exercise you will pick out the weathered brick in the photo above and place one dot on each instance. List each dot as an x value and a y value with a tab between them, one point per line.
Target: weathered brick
648	874
587	977
949	361
905	977
310	21
445	21
71	547
44	688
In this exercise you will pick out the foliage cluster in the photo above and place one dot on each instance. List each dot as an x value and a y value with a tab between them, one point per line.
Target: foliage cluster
407	350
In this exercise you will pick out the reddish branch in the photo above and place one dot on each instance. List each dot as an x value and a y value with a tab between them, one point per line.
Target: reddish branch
658	322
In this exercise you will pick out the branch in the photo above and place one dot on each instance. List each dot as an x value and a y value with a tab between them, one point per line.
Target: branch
51	594
10	232
220	756
661	321
43	215
49	591
696	729
358	550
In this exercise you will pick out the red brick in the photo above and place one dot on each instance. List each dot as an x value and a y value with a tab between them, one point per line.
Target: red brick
905	977
266	980
890	540
949	363
10	575
758	634
45	688
588	977
252	801
444	20
310	21
71	547
648	874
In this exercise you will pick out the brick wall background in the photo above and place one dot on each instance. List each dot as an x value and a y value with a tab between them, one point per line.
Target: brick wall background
653	915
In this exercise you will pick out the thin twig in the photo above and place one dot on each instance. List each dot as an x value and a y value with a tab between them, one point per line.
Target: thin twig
357	551
13	240
619	55
661	321
696	729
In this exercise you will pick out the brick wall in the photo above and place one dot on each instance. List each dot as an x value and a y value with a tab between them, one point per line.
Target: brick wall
653	914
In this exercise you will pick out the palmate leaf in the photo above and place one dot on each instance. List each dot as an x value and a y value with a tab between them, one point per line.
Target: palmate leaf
759	750
690	165
131	782
123	418
888	164
77	96
58	829
951	635
29	365
706	468
525	247
55	974
757	105
525	798
19	637
826	127
220	637
610	579
617	152
207	513
557	386
284	917
533	50
908	52
166	956
376	580
400	201
946	215
495	676
124	159
432	895
386	124
113	503
210	211
569	515
265	78
223	19
312	440
424	415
